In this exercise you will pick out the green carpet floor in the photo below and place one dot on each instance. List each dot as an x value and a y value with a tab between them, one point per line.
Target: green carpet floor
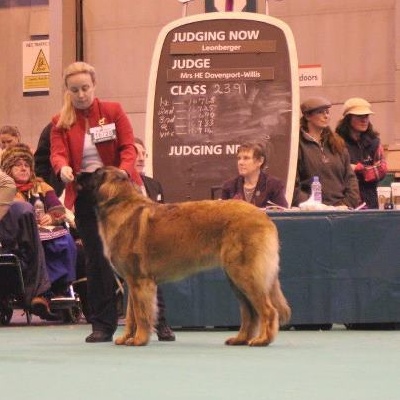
44	361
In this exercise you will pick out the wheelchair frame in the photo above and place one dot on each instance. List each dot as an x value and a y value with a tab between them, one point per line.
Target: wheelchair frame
12	291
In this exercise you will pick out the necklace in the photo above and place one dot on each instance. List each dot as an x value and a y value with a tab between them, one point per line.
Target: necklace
248	193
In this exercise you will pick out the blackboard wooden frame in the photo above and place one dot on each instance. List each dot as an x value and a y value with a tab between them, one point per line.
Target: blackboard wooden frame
195	40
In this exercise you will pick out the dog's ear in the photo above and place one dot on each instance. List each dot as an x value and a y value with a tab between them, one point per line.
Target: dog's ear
99	174
109	181
98	177
109	173
120	173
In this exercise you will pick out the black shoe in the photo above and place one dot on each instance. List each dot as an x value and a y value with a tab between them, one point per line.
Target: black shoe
165	333
99	337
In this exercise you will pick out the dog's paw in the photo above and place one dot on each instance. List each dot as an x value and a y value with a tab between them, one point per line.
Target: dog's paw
134	341
235	341
259	342
120	340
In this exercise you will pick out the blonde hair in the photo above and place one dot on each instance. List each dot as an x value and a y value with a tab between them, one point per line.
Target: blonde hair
67	113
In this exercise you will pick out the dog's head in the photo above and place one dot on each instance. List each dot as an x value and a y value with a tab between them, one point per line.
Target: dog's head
107	183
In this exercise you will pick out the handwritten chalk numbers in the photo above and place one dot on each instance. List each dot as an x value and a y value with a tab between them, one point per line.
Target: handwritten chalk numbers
228	88
166	118
201	111
195	115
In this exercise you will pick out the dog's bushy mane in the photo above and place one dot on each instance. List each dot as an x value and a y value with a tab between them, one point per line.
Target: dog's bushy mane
114	187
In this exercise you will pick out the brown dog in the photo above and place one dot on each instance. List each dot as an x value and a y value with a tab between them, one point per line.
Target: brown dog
149	243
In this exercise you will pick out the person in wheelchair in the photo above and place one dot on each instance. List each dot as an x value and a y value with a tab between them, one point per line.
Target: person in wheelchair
58	244
19	235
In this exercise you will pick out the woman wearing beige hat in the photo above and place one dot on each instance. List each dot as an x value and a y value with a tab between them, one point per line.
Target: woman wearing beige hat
364	146
323	153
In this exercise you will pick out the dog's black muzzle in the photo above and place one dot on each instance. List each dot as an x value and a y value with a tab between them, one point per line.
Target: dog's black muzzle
85	181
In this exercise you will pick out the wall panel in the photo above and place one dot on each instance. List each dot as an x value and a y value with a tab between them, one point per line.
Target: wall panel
353	40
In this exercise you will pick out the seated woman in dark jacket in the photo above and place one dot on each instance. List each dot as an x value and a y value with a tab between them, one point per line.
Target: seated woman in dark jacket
323	153
253	184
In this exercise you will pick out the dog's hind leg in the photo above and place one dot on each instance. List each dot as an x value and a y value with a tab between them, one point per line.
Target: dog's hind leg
144	294
257	310
269	322
248	319
130	324
264	316
279	301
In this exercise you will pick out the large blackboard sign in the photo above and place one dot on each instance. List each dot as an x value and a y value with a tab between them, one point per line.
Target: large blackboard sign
217	80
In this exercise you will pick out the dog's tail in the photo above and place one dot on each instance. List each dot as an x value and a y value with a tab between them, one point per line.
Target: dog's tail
279	301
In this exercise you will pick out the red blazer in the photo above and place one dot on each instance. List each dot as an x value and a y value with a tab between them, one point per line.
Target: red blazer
67	144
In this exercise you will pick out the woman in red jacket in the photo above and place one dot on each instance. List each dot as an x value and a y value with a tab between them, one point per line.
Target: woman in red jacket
86	135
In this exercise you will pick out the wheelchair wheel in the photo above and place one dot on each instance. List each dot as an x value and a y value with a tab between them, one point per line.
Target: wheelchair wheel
72	315
6	315
28	315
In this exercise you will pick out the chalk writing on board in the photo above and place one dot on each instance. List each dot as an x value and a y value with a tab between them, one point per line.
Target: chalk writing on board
229	111
166	118
195	115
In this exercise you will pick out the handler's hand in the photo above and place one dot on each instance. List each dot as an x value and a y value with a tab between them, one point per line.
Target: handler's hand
66	174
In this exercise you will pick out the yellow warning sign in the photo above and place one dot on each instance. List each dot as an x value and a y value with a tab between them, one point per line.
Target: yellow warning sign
36	82
35	66
41	65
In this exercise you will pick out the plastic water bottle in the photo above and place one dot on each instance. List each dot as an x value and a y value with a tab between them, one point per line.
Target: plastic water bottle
39	208
316	190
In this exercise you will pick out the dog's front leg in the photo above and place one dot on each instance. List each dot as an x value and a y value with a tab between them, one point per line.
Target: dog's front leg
144	294
130	324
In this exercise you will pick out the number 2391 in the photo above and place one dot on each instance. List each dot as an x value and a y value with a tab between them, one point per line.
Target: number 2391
229	87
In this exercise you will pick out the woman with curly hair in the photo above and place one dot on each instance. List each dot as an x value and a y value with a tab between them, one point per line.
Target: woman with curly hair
364	146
